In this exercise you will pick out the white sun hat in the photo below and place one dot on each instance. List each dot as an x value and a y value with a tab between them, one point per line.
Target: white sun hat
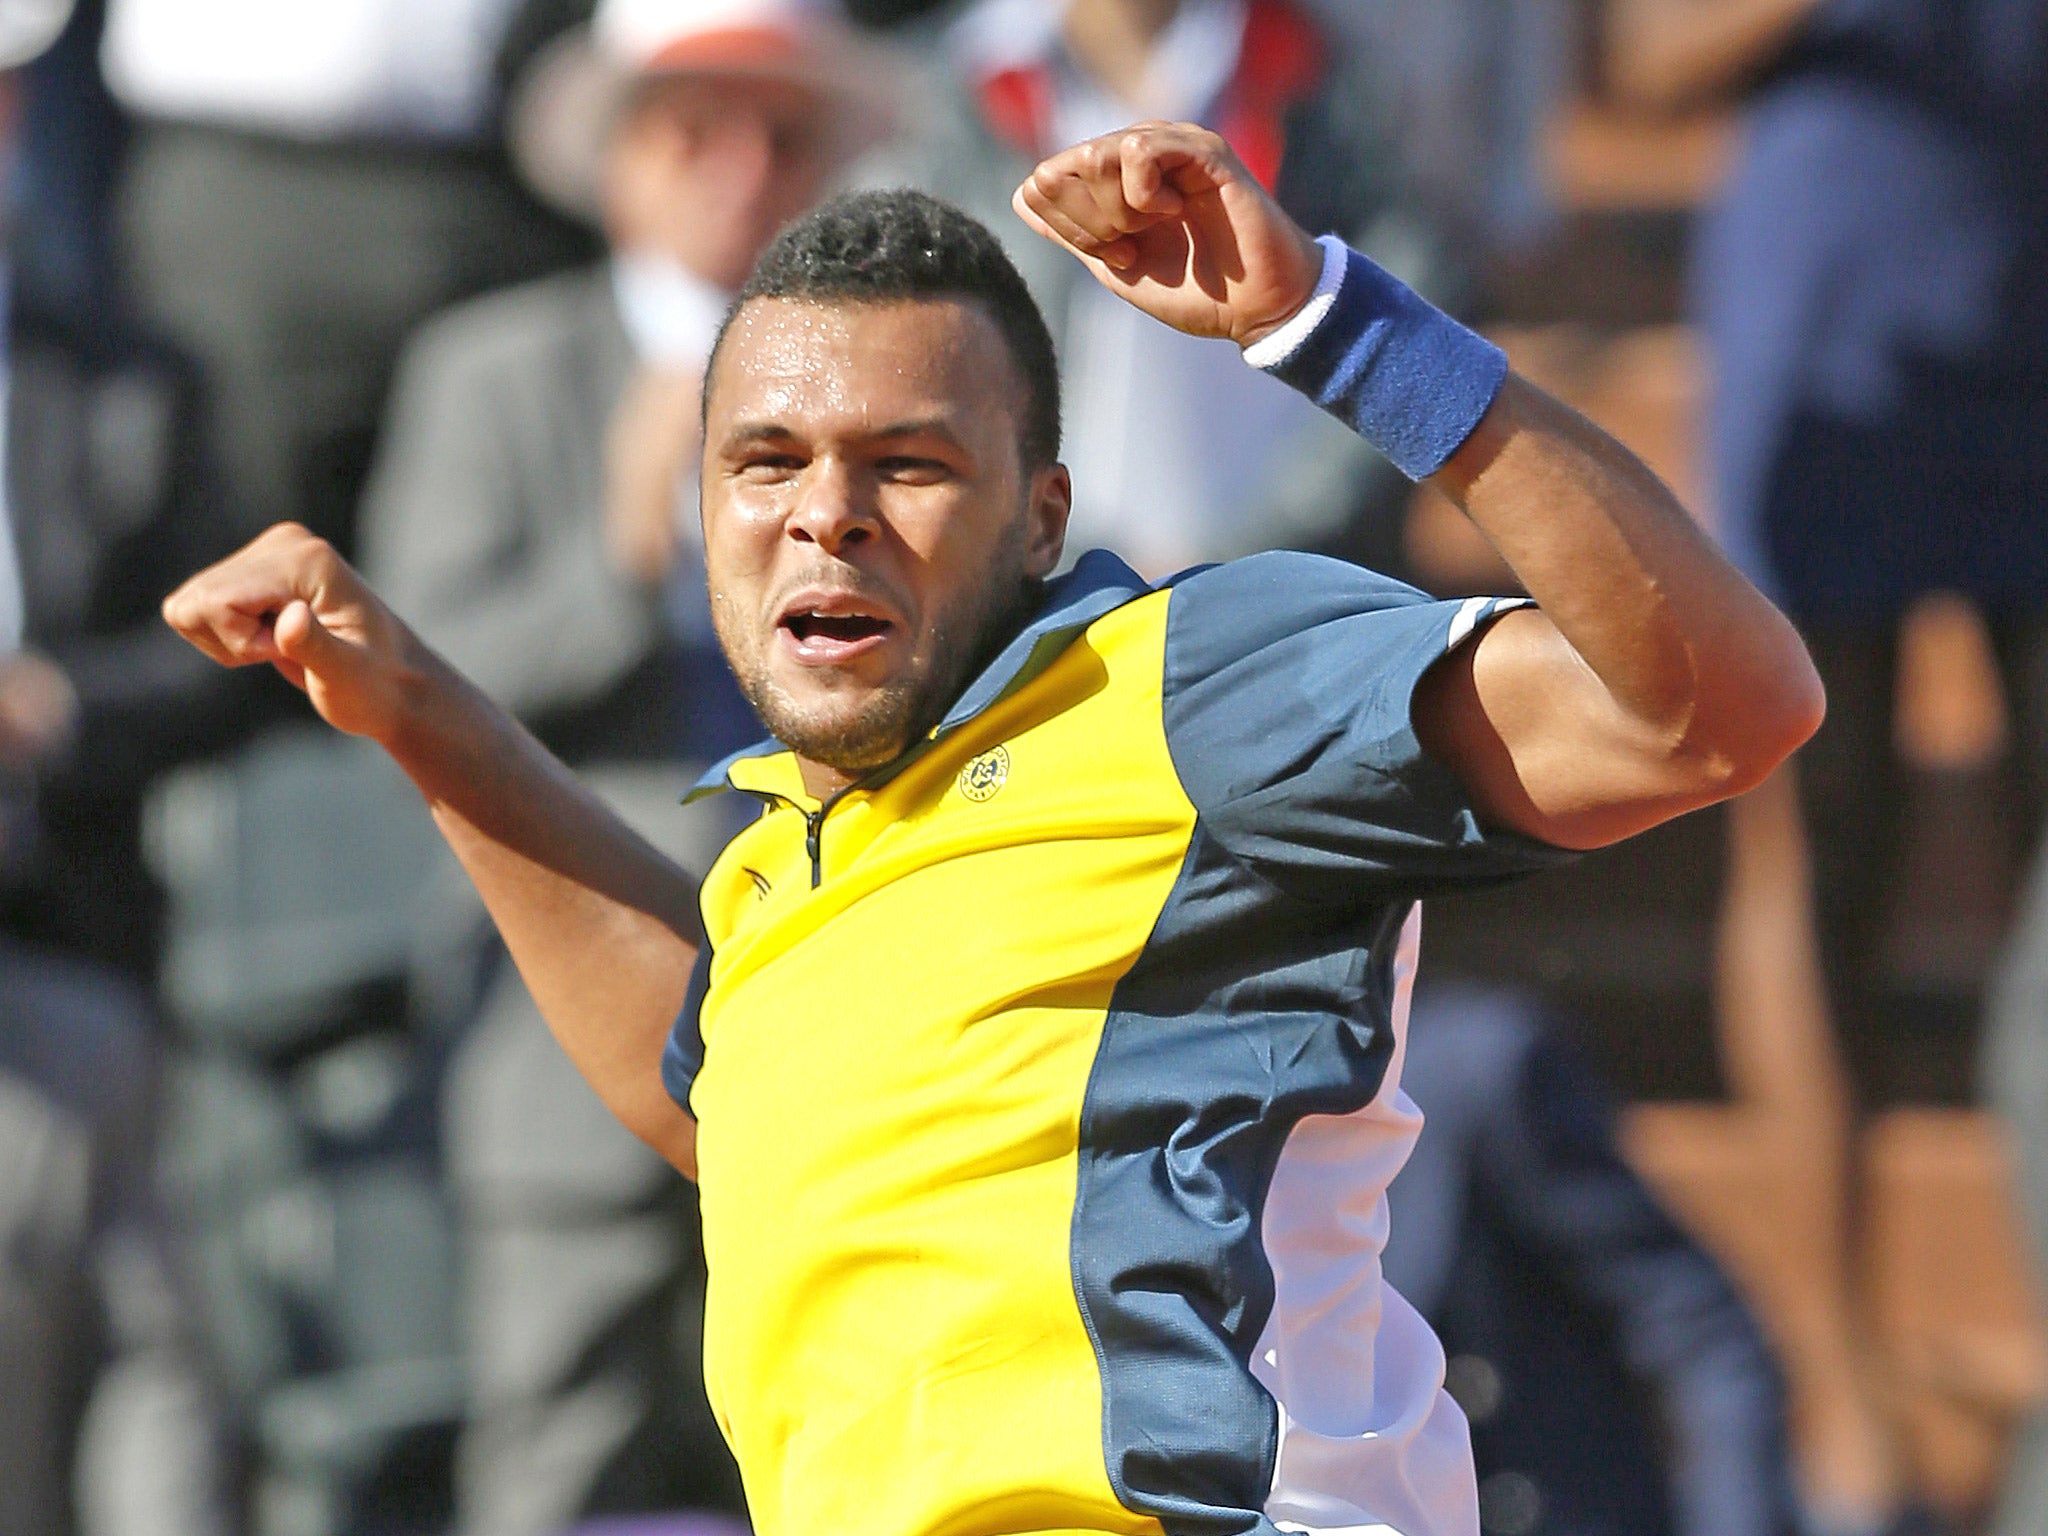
567	101
27	27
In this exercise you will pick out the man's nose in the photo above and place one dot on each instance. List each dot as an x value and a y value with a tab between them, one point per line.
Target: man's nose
835	511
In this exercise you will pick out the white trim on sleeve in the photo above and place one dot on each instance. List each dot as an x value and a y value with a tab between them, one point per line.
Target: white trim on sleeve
1474	609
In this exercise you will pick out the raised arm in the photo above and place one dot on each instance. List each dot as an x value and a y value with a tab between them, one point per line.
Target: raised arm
1653	679
602	927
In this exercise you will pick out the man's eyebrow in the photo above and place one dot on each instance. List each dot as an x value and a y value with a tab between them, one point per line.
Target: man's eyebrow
744	433
757	432
921	426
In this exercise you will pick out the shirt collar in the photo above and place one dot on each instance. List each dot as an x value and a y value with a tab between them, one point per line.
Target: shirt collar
1098	584
670	314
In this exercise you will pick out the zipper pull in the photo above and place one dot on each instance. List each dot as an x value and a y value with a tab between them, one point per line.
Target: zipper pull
814	829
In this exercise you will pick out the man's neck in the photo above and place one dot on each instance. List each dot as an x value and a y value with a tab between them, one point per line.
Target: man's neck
821	780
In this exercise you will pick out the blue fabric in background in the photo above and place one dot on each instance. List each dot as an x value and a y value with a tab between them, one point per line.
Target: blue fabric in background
1874	290
71	139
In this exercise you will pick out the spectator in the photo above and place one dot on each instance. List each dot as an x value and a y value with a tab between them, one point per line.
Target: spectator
533	513
1614	1382
109	1426
1874	288
1179	452
108	503
112	1426
305	183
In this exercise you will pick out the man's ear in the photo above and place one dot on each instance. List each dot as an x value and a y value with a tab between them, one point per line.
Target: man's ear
1051	503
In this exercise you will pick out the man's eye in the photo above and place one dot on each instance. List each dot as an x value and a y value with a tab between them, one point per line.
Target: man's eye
770	466
907	470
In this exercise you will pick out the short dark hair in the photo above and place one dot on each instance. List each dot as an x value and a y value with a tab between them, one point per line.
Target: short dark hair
882	247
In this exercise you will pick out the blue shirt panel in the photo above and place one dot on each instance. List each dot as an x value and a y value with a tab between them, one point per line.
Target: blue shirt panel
683	1056
1288	693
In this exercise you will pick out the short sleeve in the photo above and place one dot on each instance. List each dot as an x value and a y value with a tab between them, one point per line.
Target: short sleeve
683	1056
1289	682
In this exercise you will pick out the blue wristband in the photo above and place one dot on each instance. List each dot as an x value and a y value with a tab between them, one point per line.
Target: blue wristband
1398	371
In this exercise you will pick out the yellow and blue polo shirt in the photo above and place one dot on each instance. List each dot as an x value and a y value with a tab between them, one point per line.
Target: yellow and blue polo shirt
1046	1082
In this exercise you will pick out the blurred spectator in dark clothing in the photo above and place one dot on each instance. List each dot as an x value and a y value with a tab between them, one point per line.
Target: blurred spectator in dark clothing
1615	1384
109	506
108	1426
106	504
111	1426
1180	454
533	512
305	183
1873	286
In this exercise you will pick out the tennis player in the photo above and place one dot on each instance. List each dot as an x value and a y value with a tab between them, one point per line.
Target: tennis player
1038	1046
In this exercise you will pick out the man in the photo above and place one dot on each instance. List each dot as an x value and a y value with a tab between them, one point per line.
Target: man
1043	1031
532	517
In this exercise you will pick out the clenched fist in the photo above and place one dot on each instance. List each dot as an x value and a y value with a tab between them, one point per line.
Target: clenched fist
288	599
1165	215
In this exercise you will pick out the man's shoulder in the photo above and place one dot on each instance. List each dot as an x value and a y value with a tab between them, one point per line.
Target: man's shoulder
1278	661
1222	612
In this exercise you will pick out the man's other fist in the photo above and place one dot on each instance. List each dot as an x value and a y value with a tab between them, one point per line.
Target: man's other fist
288	599
1167	216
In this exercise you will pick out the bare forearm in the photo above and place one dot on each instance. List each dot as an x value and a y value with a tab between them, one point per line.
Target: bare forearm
603	928
1694	682
1672	53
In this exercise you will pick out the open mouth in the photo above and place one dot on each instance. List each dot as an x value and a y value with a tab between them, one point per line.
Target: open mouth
825	629
842	628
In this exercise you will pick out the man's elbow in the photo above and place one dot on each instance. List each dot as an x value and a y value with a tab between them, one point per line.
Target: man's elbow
663	1125
1776	715
676	1140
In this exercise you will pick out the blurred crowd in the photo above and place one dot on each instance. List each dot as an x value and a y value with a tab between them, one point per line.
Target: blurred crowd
306	1226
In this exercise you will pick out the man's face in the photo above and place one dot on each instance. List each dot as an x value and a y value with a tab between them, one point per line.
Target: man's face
707	170
869	530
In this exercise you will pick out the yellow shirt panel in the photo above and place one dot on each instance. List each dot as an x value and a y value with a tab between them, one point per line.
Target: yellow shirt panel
890	1101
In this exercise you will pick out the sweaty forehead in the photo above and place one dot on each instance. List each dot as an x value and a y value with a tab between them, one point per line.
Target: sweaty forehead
838	365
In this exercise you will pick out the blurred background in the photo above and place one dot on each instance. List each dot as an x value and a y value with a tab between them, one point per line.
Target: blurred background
1732	1200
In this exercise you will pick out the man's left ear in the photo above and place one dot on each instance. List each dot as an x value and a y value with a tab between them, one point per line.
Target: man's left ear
1052	502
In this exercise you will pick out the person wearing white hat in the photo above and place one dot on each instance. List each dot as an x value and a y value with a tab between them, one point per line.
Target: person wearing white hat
533	511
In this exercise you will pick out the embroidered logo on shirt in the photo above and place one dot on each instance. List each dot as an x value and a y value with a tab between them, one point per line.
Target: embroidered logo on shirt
761	886
984	775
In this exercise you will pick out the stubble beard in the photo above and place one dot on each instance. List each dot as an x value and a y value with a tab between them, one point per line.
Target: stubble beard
858	738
